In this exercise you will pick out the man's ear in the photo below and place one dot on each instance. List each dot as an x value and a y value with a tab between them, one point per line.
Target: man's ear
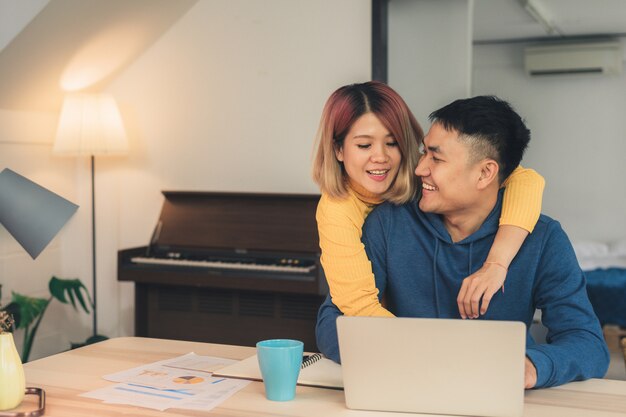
489	170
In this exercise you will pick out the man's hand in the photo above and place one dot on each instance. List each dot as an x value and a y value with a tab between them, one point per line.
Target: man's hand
530	374
482	284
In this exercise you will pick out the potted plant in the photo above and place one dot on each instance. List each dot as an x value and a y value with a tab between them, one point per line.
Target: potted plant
29	311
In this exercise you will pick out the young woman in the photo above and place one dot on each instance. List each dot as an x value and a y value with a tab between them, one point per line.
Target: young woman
367	150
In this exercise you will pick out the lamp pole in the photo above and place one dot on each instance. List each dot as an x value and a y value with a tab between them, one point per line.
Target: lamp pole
93	245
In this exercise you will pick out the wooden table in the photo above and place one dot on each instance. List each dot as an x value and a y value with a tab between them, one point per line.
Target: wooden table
68	374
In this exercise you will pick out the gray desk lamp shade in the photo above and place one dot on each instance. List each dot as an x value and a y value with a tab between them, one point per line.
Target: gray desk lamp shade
32	214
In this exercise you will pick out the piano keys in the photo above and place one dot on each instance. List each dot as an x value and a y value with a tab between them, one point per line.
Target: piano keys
229	268
260	263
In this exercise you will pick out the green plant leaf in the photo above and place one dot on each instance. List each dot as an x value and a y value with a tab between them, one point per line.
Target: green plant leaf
62	289
30	308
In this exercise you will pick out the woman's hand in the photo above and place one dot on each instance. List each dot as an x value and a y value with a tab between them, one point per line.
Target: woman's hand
478	289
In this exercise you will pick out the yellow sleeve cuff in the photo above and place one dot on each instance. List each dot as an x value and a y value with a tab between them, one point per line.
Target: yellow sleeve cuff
523	195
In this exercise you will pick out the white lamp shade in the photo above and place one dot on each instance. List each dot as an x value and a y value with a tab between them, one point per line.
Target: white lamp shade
90	124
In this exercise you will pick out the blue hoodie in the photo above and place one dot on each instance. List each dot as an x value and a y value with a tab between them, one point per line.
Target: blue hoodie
420	270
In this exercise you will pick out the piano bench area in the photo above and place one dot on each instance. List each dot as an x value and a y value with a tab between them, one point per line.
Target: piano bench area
226	316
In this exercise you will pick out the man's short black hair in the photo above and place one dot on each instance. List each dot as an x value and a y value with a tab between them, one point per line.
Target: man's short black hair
490	126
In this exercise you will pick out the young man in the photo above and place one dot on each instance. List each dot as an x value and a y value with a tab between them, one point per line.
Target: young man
421	251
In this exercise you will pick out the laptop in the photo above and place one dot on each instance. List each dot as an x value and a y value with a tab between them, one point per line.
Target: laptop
435	366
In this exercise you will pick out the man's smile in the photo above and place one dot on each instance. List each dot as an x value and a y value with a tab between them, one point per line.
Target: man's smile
429	187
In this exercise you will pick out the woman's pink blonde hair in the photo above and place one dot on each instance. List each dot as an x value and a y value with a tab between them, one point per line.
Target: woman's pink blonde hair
342	109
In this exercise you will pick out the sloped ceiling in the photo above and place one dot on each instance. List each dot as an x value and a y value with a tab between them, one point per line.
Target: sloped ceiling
15	15
502	20
79	45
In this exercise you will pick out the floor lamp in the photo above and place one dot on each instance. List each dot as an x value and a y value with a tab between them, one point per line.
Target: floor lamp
90	125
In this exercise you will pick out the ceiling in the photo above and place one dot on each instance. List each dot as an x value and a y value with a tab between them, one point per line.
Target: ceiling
508	20
40	62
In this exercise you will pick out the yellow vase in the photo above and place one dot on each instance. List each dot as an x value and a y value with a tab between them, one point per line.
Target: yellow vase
12	382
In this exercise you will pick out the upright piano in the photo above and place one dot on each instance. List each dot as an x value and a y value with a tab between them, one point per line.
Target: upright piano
230	268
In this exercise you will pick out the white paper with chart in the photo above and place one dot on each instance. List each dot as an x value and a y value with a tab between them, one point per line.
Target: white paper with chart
183	382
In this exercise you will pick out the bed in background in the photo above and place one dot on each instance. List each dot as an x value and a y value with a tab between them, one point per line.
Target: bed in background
604	265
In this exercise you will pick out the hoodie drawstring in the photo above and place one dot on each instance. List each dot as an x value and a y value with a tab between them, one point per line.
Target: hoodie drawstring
436	277
469	261
436	272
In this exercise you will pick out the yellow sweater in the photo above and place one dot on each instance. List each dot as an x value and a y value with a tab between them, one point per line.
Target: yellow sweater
349	271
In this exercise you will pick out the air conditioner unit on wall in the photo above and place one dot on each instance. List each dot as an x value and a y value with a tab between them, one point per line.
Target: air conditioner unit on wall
574	58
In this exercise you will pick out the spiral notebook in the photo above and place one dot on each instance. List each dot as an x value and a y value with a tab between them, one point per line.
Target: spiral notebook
316	371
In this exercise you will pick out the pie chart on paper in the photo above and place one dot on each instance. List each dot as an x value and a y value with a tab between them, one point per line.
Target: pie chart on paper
188	379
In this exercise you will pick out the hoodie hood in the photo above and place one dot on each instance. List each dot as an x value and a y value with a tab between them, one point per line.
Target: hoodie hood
435	225
463	261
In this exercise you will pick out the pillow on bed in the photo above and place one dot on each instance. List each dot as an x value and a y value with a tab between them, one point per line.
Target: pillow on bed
618	248
594	255
589	249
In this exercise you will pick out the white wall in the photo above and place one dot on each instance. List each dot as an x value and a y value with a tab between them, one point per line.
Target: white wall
430	52
578	143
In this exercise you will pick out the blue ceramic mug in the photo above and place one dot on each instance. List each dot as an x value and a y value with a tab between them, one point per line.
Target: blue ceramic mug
280	361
